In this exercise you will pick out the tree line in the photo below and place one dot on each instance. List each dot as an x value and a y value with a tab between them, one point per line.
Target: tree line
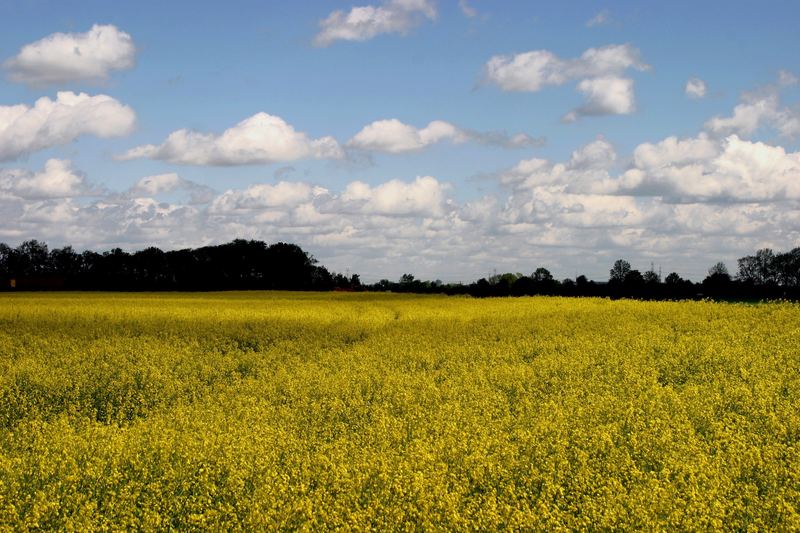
237	265
251	264
765	275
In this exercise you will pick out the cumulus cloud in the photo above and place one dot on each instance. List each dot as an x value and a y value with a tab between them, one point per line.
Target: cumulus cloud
393	136
760	108
587	171
396	226
259	139
695	170
70	57
425	196
602	18
261	196
598	69
683	202
705	170
56	180
365	22
25	129
672	151
608	95
532	71
695	88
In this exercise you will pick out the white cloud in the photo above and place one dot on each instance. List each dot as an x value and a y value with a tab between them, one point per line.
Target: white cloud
385	229
608	95
425	196
602	18
695	88
260	196
69	57
48	123
706	170
694	170
56	180
674	151
259	139
532	71
365	22
598	69
758	109
393	136
682	202
586	172
747	117
597	155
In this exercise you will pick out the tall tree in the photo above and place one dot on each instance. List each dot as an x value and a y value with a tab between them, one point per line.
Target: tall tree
618	272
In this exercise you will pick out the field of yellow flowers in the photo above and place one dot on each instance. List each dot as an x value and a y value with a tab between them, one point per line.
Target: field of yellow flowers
253	411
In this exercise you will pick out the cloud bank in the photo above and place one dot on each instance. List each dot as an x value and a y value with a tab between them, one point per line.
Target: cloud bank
690	200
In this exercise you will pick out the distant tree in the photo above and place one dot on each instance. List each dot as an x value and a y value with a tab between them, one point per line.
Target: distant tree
651	277
567	287
32	258
542	275
719	270
673	279
581	281
6	260
503	283
633	280
619	271
787	268
406	279
758	269
718	281
148	269
65	261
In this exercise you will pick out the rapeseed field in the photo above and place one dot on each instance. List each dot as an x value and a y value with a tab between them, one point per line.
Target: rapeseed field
264	411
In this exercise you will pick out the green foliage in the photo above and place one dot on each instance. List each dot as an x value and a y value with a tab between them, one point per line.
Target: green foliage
254	411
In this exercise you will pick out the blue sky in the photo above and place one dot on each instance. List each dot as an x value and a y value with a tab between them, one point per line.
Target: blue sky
571	196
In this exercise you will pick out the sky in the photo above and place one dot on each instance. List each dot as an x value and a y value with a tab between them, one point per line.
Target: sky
449	139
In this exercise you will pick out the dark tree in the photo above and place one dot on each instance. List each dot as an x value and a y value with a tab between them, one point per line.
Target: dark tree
758	269
651	277
619	271
718	281
542	275
787	268
32	258
720	271
634	281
